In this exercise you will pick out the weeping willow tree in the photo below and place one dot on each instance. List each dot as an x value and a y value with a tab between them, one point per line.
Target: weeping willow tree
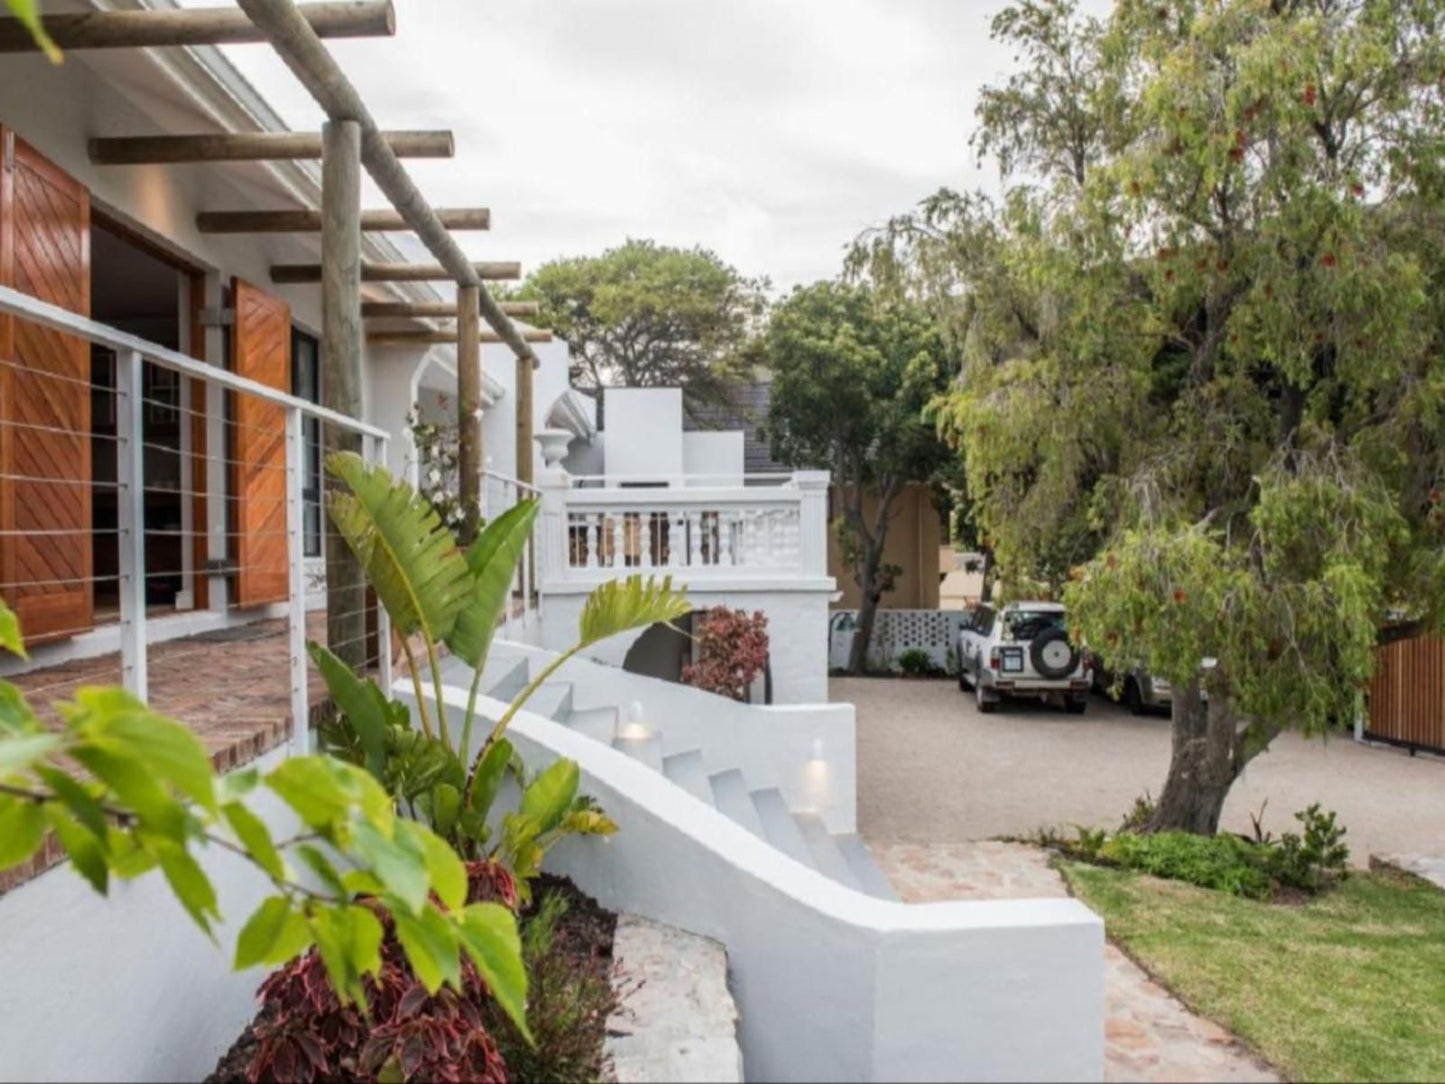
1203	390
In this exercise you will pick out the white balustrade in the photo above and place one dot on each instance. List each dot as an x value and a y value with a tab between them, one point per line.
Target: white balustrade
777	530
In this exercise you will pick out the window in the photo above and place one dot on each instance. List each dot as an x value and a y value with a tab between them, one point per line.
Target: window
306	384
983	620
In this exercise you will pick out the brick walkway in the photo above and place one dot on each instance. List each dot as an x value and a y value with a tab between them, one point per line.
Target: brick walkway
235	694
1148	1034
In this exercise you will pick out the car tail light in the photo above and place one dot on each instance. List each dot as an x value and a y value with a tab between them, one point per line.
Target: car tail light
993	663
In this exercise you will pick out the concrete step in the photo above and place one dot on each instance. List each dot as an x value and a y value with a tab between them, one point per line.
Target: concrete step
871	879
730	795
688	772
599	724
648	750
504	677
828	859
779	827
552	701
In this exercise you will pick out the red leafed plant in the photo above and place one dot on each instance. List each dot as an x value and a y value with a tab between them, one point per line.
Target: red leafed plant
303	1033
730	649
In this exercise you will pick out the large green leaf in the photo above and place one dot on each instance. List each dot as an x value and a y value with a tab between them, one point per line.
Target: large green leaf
430	944
621	605
22	827
489	935
272	935
492	559
490	771
361	702
549	797
410	558
18	754
10	638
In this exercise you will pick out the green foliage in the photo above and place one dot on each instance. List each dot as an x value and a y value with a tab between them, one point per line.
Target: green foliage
1310	861
1203	340
853	371
1139	815
151	801
1225	863
647	315
570	999
915	662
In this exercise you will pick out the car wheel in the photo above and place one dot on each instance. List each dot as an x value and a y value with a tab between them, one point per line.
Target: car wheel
986	703
1076	705
1133	697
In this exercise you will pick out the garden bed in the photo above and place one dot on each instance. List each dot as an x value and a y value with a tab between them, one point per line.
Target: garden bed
571	995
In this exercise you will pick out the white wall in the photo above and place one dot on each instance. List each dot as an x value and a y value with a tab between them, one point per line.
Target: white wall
807	751
126	988
718	455
644	432
499	424
833	984
797	629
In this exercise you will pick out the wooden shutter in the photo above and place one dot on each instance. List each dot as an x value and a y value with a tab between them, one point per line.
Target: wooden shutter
261	351
46	558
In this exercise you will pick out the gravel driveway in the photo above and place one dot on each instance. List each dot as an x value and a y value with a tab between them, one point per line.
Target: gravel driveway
931	769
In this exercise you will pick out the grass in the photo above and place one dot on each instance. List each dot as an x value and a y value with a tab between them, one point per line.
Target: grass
1347	986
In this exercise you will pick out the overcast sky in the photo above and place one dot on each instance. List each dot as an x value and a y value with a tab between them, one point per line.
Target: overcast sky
771	131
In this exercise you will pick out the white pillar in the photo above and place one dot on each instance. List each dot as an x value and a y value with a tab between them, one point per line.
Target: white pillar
812	486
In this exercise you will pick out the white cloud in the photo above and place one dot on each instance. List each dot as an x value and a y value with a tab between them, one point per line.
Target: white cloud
769	130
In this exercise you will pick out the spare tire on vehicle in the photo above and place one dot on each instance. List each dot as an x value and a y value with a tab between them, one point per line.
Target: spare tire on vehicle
1052	654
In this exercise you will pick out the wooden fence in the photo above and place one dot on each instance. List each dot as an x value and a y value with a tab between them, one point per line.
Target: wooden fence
1407	696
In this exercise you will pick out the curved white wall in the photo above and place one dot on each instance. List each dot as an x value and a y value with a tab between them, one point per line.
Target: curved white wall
833	984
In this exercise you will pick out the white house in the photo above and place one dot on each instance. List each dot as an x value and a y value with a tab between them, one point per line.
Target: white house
160	527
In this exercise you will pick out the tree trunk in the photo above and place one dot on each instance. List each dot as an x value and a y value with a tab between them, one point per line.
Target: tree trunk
986	591
1202	766
867	609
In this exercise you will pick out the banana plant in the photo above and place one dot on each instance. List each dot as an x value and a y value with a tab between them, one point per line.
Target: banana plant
431	588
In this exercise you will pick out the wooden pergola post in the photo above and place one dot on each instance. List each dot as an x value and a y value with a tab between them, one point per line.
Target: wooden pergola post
341	367
469	409
524	421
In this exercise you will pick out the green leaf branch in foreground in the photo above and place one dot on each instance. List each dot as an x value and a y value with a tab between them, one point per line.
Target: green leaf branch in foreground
151	801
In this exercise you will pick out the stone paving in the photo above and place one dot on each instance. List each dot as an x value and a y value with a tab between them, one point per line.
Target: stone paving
1426	868
1148	1034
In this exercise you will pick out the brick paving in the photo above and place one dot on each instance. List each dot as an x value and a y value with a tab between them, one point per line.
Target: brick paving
1148	1034
234	694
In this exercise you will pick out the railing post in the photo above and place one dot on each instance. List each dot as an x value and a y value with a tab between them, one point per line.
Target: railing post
130	508
551	532
383	619
812	521
296	586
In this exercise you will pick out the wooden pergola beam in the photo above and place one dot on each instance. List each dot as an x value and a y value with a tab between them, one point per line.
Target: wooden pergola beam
250	147
306	221
439	310
449	338
490	271
196	26
297	44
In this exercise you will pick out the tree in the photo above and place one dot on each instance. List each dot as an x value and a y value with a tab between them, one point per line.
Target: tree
646	315
852	374
1203	382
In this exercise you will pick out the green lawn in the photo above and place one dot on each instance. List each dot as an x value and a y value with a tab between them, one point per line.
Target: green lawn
1350	986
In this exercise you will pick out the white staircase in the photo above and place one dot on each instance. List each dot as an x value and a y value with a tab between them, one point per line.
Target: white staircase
761	809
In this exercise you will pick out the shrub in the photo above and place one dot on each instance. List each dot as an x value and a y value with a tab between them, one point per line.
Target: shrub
731	651
915	662
1225	863
305	1033
569	999
1139	815
1311	861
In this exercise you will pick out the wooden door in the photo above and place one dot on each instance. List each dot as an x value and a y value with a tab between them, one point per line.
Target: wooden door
46	557
261	351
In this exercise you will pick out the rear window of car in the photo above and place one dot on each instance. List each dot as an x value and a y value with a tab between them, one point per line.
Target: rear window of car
1029	624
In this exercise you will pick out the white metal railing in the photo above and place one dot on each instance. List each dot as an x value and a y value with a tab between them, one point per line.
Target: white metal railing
739	531
146	465
499	493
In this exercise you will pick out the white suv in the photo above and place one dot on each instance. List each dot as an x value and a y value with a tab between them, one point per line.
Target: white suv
1022	649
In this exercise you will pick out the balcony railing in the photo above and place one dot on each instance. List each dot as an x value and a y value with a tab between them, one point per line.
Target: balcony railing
120	435
774	531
